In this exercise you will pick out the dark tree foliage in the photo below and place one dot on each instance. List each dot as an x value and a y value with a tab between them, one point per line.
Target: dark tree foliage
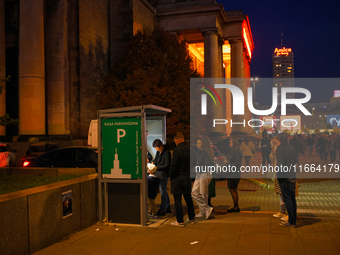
155	70
6	119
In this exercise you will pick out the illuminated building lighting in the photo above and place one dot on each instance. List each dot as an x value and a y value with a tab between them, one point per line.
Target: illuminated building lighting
193	49
282	51
226	49
247	42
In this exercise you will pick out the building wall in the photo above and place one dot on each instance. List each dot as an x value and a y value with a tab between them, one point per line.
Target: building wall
121	28
93	57
143	15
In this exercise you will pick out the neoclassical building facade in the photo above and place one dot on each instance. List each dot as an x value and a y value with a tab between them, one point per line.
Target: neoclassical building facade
56	51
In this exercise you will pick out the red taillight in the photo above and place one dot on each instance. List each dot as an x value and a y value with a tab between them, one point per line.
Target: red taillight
26	163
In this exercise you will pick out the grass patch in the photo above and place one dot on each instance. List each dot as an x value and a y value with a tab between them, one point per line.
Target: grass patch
10	183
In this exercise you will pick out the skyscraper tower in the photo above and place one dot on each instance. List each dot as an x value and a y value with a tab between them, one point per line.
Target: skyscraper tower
283	69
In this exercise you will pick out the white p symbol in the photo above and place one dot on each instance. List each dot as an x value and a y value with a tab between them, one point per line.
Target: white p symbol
120	133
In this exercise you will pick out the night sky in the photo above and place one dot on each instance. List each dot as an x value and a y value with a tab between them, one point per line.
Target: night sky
310	28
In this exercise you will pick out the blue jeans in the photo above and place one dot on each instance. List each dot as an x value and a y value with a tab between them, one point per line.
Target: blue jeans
165	201
288	193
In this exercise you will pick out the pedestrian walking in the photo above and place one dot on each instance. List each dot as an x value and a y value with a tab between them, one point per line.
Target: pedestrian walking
322	143
180	180
296	144
331	148
265	146
248	149
316	139
287	157
233	178
200	190
337	139
310	143
303	144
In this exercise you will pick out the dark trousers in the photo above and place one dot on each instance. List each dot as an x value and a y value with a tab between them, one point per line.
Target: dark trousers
333	155
323	154
179	209
153	184
265	158
288	194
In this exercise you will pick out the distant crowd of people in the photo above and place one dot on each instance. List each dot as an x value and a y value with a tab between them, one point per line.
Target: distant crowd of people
281	150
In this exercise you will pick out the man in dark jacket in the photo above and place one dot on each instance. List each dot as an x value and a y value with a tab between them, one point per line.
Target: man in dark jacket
286	160
180	180
162	162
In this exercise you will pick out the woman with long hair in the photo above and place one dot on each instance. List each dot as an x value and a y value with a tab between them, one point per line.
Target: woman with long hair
200	191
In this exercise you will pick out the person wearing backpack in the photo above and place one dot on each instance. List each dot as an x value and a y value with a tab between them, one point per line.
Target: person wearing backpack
266	147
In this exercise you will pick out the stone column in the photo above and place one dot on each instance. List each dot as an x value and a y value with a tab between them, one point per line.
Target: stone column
57	79
211	64
237	71
212	68
31	68
2	63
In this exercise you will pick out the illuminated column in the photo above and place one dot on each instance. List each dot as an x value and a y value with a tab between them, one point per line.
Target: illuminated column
237	71
2	63
211	64
31	68
57	80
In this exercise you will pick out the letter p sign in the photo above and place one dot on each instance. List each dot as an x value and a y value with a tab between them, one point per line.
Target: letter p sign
120	133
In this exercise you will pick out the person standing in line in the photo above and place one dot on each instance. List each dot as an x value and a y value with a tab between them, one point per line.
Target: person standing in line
283	211
180	180
200	190
322	143
162	162
310	143
233	178
248	149
265	146
286	156
296	144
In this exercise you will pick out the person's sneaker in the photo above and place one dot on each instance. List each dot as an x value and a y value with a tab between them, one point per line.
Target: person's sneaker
192	222
279	215
200	215
208	212
152	216
168	210
285	218
176	224
287	224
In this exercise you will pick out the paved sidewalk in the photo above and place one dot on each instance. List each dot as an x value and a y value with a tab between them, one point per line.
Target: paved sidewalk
234	233
253	231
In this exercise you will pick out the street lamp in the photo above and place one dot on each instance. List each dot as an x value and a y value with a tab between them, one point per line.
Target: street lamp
254	80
